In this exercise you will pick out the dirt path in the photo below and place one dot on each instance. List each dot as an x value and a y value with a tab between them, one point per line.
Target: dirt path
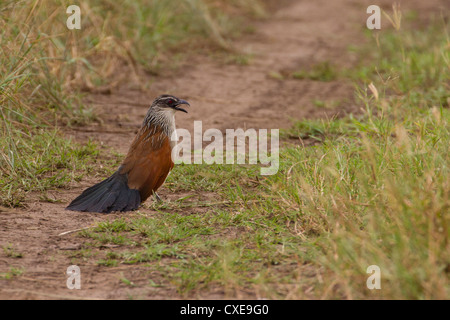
296	37
251	96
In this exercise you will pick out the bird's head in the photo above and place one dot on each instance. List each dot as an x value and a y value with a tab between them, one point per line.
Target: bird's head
169	103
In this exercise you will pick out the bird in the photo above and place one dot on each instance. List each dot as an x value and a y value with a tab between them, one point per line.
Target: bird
145	167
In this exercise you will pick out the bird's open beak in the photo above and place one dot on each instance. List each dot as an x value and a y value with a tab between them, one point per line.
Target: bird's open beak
180	102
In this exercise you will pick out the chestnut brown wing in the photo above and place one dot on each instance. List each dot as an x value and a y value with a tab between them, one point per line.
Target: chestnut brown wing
148	162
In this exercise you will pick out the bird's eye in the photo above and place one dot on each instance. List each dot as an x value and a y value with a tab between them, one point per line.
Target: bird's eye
169	101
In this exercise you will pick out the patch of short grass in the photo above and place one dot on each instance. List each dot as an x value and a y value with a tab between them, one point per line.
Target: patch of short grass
323	71
209	178
12	272
40	162
11	252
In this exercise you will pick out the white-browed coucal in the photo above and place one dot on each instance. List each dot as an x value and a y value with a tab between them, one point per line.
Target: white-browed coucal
145	168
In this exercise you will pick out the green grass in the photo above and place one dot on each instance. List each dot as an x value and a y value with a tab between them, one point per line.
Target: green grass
323	71
39	161
13	272
11	252
373	191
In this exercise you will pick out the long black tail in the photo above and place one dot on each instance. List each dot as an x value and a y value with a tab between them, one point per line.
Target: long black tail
112	194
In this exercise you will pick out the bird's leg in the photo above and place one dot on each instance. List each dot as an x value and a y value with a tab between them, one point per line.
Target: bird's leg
157	198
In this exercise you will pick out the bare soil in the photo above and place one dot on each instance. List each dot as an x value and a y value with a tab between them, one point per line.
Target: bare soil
296	36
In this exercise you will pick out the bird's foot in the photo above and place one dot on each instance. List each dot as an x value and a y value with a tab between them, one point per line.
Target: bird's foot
157	198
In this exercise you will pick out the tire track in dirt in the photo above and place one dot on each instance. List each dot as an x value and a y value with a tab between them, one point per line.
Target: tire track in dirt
295	37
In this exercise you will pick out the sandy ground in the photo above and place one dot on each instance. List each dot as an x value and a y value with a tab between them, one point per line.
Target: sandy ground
297	36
